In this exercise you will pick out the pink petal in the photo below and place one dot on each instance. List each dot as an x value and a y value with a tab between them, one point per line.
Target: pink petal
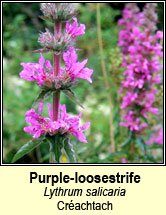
48	65
50	111
70	57
123	160
63	112
40	108
85	126
85	74
80	136
37	134
30	129
41	60
79	66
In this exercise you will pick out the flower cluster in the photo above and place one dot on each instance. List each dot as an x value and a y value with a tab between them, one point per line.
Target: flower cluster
67	78
76	69
67	39
57	12
150	18
51	79
141	52
65	125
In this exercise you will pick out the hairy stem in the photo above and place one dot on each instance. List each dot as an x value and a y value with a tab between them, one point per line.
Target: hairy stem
57	63
56	71
106	83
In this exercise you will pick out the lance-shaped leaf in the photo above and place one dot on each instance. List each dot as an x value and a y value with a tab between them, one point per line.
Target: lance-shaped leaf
28	147
150	158
73	97
56	145
128	140
141	144
44	94
68	147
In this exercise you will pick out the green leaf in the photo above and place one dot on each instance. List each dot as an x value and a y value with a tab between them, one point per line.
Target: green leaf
128	140
73	97
28	147
69	150
141	143
147	158
42	95
151	159
145	120
155	146
56	145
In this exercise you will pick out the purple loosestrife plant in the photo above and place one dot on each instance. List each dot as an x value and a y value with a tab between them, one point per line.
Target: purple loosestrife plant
57	128
142	51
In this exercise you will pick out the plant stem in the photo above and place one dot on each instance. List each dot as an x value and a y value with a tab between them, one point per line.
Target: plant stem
106	83
132	150
56	71
51	158
56	95
57	63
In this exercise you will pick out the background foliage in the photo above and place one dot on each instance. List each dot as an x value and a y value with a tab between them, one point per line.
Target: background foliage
21	26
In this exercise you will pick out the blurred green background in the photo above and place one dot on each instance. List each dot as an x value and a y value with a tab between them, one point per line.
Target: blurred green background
21	26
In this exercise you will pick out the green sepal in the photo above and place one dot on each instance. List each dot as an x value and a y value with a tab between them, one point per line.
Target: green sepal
56	145
26	148
69	93
44	94
61	16
44	50
68	147
47	19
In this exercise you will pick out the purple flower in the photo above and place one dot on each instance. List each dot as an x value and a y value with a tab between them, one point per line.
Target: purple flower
37	72
76	69
127	100
123	160
141	51
73	70
132	121
65	125
159	35
73	29
157	137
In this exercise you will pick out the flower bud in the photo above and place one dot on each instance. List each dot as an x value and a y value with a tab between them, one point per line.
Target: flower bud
150	16
46	39
53	44
57	11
